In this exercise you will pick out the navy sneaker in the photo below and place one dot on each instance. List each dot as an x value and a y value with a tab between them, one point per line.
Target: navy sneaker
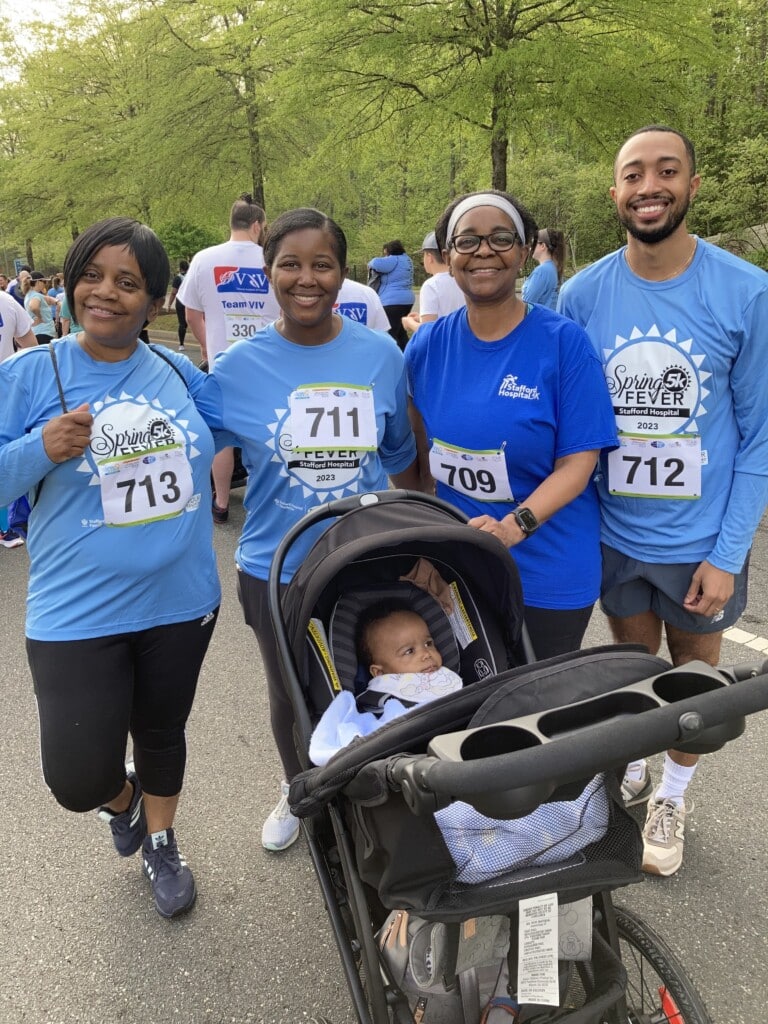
173	884
130	826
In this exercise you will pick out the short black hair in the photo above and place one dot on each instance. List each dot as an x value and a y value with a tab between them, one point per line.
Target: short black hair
299	220
142	243
529	224
661	128
374	613
394	248
184	265
245	212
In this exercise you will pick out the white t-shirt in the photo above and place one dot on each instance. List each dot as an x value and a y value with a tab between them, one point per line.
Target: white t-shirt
227	283
440	295
14	323
362	304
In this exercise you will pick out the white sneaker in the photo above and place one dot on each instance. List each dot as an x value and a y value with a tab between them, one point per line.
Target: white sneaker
11	539
637	791
280	829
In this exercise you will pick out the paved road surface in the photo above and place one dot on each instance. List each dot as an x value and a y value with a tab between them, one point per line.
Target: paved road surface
80	942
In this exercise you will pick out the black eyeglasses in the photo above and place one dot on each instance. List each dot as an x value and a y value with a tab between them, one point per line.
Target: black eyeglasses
499	241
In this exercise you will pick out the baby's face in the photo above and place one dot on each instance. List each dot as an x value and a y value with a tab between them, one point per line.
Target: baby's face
402	643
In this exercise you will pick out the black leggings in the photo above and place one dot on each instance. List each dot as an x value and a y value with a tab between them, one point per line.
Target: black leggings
395	316
181	316
556	631
253	598
92	693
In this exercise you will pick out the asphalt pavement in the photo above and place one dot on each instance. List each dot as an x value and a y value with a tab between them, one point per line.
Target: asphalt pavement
81	943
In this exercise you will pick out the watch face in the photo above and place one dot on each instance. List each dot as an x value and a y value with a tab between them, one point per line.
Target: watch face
527	520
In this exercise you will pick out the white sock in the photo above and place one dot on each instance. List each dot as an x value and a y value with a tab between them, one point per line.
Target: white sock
635	770
674	781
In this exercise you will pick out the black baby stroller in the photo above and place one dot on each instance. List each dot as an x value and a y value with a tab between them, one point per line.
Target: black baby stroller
428	925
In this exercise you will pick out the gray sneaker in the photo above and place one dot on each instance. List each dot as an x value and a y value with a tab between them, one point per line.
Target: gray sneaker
173	884
130	826
663	837
637	791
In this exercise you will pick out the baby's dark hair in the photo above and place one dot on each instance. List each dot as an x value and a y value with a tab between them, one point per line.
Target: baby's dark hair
376	612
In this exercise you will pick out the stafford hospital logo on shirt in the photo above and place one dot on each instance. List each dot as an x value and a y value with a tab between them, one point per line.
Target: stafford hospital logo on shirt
511	388
240	280
656	382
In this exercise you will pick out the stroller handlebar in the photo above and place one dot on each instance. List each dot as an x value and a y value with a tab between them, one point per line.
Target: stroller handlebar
512	783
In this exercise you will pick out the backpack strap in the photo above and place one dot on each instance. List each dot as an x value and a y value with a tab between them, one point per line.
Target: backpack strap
160	352
58	378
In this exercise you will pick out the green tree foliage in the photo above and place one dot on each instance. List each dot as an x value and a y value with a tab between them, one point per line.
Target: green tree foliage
377	111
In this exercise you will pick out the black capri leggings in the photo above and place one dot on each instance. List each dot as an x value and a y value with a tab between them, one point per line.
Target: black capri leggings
253	594
92	693
395	316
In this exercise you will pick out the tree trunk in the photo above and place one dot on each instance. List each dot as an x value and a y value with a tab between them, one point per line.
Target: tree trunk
499	137
30	254
254	140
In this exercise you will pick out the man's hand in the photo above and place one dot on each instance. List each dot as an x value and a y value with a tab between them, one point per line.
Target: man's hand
68	435
710	590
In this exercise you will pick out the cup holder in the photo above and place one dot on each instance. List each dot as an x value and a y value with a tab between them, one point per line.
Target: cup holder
679	685
491	740
591	712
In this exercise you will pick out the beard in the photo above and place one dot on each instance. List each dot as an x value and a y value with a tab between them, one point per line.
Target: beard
652	236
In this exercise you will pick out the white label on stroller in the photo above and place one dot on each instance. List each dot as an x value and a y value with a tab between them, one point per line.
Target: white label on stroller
325	417
575	930
461	624
537	977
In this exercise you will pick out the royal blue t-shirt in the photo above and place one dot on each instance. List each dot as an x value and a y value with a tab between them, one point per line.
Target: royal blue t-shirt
538	394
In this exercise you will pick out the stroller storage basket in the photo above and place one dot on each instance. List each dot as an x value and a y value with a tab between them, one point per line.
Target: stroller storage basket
405	858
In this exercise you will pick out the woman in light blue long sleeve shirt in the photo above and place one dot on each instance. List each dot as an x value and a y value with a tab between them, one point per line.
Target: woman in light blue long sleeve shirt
396	287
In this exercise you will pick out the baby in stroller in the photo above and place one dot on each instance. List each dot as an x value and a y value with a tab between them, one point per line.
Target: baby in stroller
394	644
395	648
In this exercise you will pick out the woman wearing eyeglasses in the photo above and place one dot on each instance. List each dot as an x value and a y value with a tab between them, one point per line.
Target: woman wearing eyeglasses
510	409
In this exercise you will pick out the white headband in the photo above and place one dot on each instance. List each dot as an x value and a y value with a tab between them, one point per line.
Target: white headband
486	199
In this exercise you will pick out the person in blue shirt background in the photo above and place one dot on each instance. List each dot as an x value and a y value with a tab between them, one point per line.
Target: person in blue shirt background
543	284
395	289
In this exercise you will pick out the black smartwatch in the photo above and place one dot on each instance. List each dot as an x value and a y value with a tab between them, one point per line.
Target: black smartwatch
526	520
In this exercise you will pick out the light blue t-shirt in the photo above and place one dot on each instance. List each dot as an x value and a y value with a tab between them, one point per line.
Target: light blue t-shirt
684	356
248	393
542	285
88	579
46	314
396	279
537	394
